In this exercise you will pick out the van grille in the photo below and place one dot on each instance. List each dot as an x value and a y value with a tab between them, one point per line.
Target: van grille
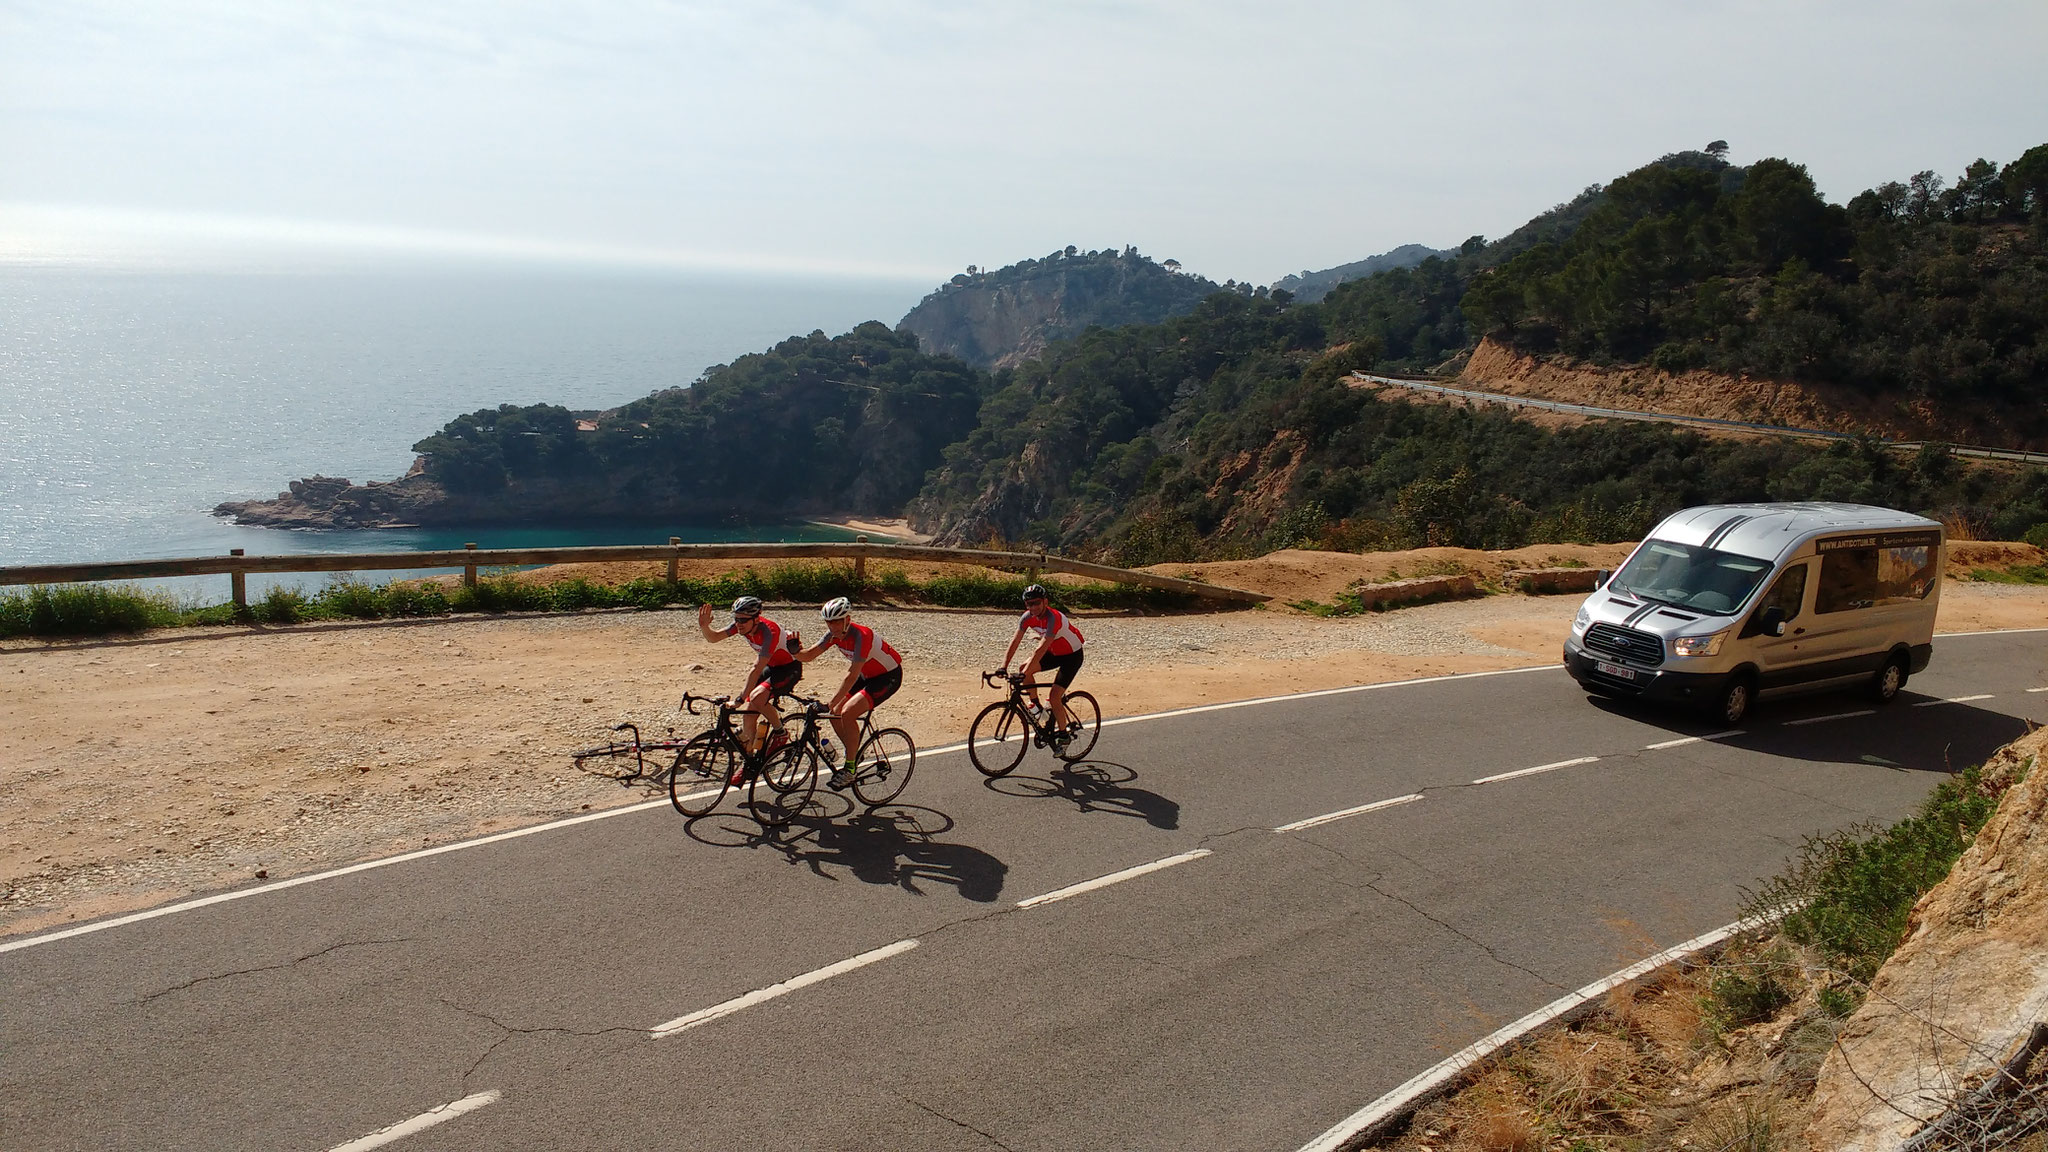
1627	644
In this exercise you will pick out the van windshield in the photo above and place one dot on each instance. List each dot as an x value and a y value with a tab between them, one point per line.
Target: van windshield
1701	579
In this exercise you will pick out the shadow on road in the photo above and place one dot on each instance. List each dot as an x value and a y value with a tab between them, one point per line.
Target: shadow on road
1914	732
1094	786
895	844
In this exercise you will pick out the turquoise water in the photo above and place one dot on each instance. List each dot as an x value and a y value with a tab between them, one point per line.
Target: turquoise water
132	403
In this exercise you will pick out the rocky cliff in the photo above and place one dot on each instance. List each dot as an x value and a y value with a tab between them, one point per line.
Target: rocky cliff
1002	318
1969	983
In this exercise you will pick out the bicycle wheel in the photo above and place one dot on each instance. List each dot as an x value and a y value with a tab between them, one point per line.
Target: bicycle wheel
883	767
784	785
1081	710
997	739
697	780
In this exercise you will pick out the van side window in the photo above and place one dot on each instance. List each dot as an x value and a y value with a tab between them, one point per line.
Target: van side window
1848	580
1788	594
1904	574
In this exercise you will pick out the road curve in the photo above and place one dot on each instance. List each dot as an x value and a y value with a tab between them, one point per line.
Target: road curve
1136	957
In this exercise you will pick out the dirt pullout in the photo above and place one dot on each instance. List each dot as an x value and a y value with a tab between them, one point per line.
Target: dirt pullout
1497	368
1294	574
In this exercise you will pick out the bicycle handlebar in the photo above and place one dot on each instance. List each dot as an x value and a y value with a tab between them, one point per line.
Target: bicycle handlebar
690	702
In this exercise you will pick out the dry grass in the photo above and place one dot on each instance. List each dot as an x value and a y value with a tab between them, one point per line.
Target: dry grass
1659	1064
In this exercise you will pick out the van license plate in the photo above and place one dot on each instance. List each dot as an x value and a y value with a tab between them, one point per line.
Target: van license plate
1614	670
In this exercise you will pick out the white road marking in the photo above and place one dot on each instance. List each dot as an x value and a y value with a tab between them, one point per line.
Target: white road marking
1869	759
1533	771
1058	894
294	882
1693	740
2037	689
763	995
1953	700
1993	632
1825	719
1329	817
1433	1078
419	1123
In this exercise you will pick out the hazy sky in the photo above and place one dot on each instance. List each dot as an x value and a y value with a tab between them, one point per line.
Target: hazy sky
914	137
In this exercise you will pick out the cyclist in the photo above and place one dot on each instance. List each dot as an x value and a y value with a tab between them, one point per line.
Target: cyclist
776	669
1059	650
874	673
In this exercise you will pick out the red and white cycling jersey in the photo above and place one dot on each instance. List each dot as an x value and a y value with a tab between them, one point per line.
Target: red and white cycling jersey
1054	623
867	651
767	638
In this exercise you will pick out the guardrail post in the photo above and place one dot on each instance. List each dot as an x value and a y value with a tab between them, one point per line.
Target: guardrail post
674	572
860	565
239	582
469	570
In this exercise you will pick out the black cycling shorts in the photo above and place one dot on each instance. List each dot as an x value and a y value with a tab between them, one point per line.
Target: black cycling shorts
1062	667
783	677
878	688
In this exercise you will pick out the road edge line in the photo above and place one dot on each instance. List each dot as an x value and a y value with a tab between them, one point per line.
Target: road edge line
1438	1078
629	809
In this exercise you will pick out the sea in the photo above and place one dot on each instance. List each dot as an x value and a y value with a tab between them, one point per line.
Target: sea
133	401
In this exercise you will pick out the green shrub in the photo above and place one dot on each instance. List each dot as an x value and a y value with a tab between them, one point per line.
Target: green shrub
2037	535
1859	885
280	605
354	599
1739	999
83	610
415	599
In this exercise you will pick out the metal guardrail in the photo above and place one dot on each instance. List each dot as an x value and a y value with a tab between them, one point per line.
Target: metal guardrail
1972	450
470	558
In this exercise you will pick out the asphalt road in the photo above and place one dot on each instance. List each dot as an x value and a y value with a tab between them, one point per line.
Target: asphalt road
1247	995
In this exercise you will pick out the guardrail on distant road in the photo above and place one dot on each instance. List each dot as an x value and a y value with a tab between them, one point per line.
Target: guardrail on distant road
1972	450
470	558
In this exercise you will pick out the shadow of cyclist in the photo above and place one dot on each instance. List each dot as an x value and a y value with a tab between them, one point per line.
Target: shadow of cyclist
895	845
1095	786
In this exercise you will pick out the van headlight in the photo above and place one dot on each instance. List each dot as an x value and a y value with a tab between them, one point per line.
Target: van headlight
1698	645
1580	622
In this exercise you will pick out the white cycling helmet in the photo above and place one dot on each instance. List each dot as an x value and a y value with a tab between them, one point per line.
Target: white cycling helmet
747	606
837	608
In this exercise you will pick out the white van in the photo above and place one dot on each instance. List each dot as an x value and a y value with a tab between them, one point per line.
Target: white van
1722	604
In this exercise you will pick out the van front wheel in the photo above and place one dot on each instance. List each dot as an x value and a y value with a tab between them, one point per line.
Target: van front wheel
1732	704
1885	686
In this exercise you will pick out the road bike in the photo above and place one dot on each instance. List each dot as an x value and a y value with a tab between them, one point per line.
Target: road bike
1004	731
882	764
632	760
779	782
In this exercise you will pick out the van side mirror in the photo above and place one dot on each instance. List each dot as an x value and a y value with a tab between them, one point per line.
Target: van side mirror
1772	620
1601	577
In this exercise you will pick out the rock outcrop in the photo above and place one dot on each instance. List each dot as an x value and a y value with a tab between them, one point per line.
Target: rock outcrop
1002	318
1965	988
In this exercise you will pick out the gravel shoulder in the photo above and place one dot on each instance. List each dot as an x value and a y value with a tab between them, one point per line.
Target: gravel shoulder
139	770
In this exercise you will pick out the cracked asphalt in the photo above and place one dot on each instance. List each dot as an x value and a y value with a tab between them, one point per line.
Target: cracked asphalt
1244	1000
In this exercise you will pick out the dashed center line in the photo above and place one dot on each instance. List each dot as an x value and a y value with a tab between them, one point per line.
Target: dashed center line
1058	894
1535	770
1693	739
1329	817
763	995
1953	700
2037	689
1825	719
419	1123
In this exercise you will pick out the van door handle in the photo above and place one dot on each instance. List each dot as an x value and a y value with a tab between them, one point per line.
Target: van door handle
1799	631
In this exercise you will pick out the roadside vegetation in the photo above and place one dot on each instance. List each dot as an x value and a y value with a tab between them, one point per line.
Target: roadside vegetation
1721	1054
91	610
